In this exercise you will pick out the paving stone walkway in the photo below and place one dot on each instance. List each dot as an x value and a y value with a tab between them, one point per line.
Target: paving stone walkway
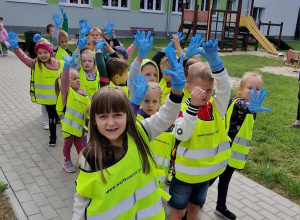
41	189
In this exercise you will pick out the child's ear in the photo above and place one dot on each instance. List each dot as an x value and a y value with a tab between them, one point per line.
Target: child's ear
187	87
239	89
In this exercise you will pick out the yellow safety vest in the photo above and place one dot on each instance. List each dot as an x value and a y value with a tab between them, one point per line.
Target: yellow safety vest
205	155
125	88
241	144
165	90
42	84
60	53
186	95
74	117
161	148
128	193
90	87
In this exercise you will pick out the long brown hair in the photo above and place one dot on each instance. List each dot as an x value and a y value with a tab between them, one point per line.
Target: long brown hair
106	100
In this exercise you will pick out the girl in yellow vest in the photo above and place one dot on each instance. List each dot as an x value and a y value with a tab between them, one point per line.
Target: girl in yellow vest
117	178
44	70
240	117
73	109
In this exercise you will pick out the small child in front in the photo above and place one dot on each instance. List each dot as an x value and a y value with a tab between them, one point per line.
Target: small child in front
240	118
204	150
4	44
73	108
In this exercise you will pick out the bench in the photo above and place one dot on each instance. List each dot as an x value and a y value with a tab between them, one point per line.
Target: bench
134	30
22	44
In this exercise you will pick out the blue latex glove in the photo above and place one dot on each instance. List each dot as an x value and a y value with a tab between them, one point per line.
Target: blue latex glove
12	39
57	20
210	53
109	28
194	45
68	61
82	23
171	44
136	41
255	102
63	12
81	43
84	31
37	38
145	44
100	44
177	71
105	54
140	88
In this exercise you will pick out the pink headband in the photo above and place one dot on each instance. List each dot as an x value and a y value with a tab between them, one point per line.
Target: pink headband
44	46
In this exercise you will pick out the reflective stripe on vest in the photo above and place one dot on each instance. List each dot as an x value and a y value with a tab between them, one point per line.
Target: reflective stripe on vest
72	124
242	141
75	112
202	153
150	211
90	96
200	170
239	156
129	203
46	87
161	160
49	97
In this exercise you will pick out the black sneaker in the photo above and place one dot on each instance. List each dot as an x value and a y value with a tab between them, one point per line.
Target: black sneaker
225	213
52	142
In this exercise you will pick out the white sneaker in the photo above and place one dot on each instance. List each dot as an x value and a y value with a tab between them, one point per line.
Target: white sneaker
46	126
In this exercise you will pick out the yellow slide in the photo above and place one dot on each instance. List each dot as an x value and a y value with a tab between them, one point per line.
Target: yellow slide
249	23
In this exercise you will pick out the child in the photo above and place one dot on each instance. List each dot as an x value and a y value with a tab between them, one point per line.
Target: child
296	124
60	40
117	179
203	150
72	107
96	33
165	82
45	69
3	41
65	25
90	44
162	145
240	118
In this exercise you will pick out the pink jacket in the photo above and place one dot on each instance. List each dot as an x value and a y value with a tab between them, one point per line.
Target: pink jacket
3	35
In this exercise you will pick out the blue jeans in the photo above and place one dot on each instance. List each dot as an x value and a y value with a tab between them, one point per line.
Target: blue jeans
182	193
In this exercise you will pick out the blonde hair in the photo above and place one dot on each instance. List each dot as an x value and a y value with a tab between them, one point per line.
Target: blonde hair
155	86
246	76
199	70
62	33
87	51
96	29
187	66
164	63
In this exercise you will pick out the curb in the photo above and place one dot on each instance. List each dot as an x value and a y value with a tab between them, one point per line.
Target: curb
18	210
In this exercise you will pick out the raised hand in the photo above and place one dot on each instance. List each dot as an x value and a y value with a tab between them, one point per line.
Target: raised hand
136	41
63	12
109	28
37	38
57	20
256	101
82	23
176	38
194	45
100	44
210	53
140	88
84	31
68	61
81	43
12	39
177	71
145	44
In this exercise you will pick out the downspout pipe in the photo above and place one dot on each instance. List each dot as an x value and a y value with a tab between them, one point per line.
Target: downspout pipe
168	18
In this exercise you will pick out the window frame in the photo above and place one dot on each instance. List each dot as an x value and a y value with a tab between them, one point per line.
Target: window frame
74	4
176	12
42	2
207	1
161	11
258	14
232	3
116	8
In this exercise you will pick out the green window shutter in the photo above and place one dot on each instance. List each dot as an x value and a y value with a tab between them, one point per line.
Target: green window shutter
96	3
52	2
135	5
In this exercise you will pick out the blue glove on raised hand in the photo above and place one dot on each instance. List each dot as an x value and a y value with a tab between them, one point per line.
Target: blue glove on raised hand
210	53
57	20
194	45
84	31
136	41
82	23
12	39
171	44
145	44
140	89
37	38
100	44
109	28
81	43
255	102
63	12
68	61
177	71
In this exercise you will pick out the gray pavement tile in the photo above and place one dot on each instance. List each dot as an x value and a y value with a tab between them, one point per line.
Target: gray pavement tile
252	213
6	167
286	210
21	169
40	199
17	185
49	174
49	191
65	193
253	206
284	216
37	158
64	213
23	196
11	175
36	217
11	154
3	159
56	183
48	212
57	202
30	208
24	155
268	215
35	171
33	188
27	178
43	165
283	201
249	196
19	149
15	161
29	164
70	203
41	180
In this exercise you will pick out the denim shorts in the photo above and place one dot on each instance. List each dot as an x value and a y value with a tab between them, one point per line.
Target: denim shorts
182	193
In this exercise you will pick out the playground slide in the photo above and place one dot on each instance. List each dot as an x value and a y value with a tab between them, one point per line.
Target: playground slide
249	23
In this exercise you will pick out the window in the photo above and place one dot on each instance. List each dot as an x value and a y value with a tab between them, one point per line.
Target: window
151	5
78	3
177	5
29	1
232	6
257	12
115	4
205	5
